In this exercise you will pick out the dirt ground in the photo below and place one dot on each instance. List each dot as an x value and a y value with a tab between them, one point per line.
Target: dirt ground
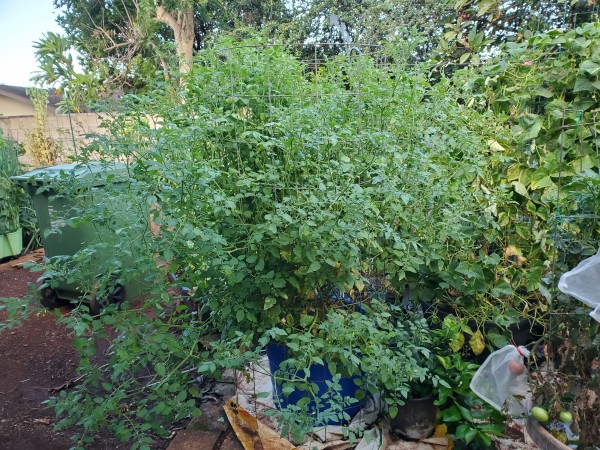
37	359
34	358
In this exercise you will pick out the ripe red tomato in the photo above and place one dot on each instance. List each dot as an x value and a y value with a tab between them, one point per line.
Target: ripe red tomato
515	367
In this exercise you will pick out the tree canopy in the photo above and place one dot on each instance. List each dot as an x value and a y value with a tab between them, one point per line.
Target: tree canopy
122	43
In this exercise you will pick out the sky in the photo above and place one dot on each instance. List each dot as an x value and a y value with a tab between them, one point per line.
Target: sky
21	23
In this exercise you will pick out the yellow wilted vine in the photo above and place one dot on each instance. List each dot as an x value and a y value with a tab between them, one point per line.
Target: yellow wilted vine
38	142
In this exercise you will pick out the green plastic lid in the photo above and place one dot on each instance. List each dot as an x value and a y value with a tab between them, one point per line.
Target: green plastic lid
93	173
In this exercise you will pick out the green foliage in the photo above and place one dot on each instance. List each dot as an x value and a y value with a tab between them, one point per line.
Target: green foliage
111	223
275	186
480	27
16	209
147	382
16	310
388	352
10	195
32	238
57	69
550	104
384	356
468	418
546	165
55	63
546	90
122	44
366	22
118	41
458	32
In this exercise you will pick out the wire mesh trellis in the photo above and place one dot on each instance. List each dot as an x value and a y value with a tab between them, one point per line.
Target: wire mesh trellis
571	334
274	91
514	17
250	93
343	103
241	93
575	233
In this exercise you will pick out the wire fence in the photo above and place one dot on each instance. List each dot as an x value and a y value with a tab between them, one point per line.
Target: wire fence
576	233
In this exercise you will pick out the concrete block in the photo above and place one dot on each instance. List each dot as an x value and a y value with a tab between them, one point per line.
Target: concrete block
194	440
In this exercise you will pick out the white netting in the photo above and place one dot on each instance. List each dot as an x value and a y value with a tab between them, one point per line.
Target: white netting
583	283
502	379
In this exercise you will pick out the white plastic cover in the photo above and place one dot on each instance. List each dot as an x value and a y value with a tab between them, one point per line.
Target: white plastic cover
502	378
583	283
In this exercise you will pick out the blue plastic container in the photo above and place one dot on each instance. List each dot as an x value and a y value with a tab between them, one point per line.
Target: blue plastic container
319	374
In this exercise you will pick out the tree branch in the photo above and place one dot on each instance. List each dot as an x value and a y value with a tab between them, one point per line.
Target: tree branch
165	17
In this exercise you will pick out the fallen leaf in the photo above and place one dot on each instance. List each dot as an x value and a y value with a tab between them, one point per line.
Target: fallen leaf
433	443
252	434
591	398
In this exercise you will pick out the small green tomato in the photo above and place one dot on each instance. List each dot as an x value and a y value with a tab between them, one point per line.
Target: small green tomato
540	414
566	417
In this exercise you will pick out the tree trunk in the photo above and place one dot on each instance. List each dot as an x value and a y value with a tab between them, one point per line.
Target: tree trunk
182	23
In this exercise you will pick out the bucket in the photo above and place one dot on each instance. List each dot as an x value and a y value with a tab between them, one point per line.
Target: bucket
319	375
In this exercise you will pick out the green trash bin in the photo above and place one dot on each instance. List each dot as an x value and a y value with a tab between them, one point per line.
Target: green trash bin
89	183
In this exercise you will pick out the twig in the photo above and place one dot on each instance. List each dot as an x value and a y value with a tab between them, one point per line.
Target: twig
66	385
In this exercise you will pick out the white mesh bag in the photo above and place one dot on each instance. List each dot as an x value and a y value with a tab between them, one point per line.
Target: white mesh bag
502	379
583	283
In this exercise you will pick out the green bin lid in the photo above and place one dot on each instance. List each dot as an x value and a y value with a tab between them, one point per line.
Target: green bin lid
93	173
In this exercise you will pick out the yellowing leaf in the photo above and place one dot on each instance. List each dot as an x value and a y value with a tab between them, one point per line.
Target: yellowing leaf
512	251
441	430
457	342
360	286
269	303
477	343
495	145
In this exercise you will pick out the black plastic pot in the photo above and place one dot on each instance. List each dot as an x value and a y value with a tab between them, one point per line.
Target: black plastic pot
416	419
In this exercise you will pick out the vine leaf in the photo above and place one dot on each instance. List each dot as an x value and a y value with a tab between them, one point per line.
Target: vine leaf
520	189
